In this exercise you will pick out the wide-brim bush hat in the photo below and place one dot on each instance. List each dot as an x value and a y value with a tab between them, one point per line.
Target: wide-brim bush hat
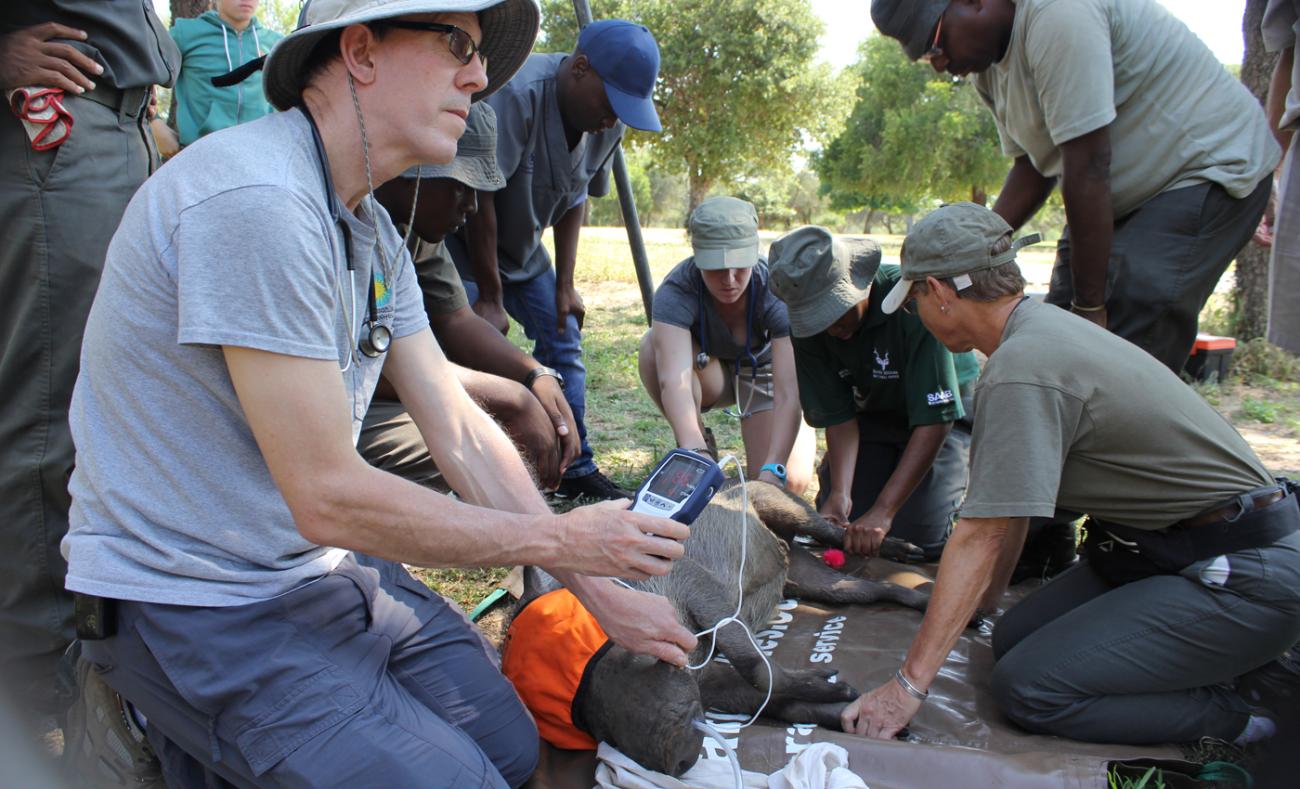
509	30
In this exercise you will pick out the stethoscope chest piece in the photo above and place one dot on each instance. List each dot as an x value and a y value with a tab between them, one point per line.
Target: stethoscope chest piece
375	339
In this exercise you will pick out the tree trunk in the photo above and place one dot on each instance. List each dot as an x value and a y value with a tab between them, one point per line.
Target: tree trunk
1251	292
889	225
699	188
978	195
189	8
868	221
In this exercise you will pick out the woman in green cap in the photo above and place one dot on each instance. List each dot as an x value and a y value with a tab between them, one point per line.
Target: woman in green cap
719	338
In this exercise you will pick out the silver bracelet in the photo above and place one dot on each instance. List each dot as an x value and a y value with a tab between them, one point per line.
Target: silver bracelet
912	690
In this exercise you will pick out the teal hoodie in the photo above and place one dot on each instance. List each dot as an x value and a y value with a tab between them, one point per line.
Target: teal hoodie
210	47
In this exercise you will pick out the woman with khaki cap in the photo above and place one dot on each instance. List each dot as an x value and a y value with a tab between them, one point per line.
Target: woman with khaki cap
720	338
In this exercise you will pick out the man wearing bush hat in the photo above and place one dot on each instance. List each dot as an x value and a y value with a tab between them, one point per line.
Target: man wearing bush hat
886	391
560	120
1192	574
1163	157
238	563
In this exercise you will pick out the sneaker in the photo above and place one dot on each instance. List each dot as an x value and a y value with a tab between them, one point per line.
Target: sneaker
595	486
103	744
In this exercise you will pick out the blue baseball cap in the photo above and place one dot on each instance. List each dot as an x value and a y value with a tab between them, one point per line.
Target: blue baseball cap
626	57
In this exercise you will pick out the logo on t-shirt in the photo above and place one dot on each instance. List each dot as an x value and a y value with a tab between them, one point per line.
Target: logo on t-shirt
883	372
941	397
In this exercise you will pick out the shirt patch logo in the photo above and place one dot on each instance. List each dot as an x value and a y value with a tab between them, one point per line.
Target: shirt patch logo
382	294
882	362
941	397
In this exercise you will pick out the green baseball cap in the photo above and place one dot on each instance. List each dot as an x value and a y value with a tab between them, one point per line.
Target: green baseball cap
951	241
819	276
724	234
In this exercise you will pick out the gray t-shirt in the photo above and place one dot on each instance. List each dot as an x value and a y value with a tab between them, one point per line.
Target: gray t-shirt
1176	116
1281	19
677	303
544	179
1069	415
230	244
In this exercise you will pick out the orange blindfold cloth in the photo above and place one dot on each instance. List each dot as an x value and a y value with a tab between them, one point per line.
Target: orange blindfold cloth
547	651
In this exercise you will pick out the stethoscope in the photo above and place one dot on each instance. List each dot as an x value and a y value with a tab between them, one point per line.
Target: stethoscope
702	358
375	338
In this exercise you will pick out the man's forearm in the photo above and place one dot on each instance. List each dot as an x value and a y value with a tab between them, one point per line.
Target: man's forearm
1023	192
566	232
469	340
482	232
842	448
1085	186
964	574
918	457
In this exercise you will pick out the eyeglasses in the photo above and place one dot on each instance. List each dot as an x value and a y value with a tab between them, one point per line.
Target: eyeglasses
935	50
460	43
909	306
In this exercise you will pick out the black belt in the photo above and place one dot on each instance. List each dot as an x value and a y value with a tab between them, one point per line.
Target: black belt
1123	553
130	102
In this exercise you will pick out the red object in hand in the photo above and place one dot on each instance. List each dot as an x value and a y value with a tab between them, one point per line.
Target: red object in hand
834	558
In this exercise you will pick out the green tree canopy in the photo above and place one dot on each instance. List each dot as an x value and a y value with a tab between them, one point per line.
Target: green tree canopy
738	87
912	136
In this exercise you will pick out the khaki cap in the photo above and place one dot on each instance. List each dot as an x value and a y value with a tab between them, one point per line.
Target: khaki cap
950	241
724	234
820	277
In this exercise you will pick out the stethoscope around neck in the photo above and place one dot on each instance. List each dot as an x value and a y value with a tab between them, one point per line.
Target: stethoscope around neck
374	338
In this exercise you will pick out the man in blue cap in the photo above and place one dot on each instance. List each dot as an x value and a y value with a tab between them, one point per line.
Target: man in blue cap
559	122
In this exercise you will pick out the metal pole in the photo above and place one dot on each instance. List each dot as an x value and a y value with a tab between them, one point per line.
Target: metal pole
623	184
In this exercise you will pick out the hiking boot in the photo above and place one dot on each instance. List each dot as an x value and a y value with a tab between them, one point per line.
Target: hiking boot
594	486
104	747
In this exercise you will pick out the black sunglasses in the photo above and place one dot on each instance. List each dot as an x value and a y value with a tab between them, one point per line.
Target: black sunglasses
460	43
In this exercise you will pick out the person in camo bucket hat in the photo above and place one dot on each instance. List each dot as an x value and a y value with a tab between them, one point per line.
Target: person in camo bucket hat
720	338
887	393
274	638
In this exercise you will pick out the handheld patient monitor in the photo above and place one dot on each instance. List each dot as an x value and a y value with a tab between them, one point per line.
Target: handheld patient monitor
679	487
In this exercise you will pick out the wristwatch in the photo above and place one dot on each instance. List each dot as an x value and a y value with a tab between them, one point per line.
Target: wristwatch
538	372
777	469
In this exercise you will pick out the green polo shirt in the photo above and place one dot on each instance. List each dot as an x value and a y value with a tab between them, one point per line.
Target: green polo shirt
892	368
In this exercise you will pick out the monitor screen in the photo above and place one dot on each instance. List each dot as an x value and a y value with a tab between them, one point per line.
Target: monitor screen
678	479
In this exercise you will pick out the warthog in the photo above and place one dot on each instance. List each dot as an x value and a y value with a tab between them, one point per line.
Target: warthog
645	707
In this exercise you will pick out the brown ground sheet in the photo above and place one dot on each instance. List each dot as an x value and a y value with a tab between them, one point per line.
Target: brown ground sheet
958	739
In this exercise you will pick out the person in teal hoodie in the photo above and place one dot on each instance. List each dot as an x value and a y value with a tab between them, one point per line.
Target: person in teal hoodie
211	44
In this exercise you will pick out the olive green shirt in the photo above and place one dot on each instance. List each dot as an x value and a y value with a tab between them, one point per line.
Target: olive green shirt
891	368
1176	116
1069	415
443	291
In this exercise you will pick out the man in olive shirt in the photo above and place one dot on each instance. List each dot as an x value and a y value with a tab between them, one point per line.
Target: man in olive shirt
1192	575
885	390
1164	158
525	396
